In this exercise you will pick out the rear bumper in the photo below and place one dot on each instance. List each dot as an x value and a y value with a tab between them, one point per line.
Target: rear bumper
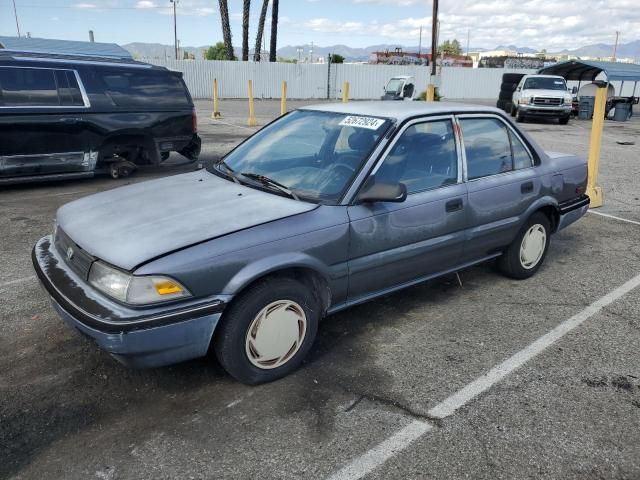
147	337
572	211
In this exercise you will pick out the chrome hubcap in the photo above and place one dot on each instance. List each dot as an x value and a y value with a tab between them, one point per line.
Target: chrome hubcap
533	245
276	334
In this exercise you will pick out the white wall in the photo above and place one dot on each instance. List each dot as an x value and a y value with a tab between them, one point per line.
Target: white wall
309	81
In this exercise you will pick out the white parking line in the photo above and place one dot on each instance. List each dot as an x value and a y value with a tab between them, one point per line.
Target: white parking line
395	444
17	280
614	217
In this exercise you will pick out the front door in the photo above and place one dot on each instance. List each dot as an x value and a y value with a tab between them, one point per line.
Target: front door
397	243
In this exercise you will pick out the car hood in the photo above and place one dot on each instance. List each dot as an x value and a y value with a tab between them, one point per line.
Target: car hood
544	93
130	225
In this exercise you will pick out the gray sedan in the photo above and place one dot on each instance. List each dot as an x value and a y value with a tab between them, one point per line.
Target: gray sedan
327	207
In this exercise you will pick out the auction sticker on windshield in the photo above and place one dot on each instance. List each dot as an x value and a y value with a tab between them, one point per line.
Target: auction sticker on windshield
362	122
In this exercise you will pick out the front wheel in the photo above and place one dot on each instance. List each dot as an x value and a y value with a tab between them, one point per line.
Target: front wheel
563	120
267	331
527	252
519	115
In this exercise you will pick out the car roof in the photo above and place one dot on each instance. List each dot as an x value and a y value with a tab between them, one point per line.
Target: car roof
400	110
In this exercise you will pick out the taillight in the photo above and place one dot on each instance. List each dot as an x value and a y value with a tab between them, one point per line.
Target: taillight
194	121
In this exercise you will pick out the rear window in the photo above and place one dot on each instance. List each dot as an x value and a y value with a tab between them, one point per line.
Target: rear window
144	89
39	87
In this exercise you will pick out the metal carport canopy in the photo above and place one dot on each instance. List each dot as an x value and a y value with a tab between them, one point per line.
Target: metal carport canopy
589	70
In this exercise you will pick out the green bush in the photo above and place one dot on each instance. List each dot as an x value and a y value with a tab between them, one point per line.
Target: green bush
436	96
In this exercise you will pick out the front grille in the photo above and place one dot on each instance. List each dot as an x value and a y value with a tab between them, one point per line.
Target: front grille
547	101
75	257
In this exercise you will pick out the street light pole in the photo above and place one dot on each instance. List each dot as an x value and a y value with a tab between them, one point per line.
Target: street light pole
15	13
175	28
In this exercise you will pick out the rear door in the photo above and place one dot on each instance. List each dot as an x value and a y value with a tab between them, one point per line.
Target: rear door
392	244
41	125
502	183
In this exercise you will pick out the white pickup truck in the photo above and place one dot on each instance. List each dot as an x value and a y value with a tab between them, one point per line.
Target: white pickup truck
542	96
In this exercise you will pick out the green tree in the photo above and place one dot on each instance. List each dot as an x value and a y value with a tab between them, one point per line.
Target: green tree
337	58
451	47
456	49
216	52
287	60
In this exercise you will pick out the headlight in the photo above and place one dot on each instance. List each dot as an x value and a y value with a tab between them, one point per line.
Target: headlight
568	100
525	100
132	289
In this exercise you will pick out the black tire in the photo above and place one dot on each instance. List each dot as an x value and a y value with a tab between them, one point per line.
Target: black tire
505	95
231	334
519	116
510	262
563	120
508	106
512	77
513	110
508	87
500	104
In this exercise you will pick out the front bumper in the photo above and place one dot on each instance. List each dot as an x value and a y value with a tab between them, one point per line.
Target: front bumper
545	111
145	337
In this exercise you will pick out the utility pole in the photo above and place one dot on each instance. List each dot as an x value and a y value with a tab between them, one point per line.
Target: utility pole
434	37
615	47
15	13
468	35
311	53
91	38
420	43
175	28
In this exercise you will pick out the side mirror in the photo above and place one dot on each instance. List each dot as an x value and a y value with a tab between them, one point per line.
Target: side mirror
574	90
518	88
374	191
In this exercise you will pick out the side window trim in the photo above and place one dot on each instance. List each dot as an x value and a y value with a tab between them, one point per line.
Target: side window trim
83	92
421	120
510	130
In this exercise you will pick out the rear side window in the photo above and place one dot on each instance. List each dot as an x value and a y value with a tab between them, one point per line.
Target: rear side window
487	147
39	87
144	89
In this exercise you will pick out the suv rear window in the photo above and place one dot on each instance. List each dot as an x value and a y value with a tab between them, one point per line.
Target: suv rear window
144	89
39	87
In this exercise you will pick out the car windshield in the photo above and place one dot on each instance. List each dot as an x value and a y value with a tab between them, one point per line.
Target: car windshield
545	83
394	85
313	154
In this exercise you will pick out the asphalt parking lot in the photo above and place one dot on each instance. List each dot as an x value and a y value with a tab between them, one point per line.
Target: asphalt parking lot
490	379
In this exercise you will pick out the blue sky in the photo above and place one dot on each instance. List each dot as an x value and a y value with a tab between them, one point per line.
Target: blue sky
546	24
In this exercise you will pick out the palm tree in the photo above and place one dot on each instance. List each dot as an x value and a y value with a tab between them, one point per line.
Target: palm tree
246	6
274	31
263	17
226	29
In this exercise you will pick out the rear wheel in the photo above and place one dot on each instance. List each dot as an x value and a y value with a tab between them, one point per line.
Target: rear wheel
527	252
267	331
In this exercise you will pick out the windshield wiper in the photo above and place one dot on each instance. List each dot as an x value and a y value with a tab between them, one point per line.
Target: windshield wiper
271	183
229	171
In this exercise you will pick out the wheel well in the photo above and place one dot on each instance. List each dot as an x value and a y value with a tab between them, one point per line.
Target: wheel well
137	148
552	214
314	281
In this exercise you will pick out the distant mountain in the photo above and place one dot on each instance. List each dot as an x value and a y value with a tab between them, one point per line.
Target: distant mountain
353	54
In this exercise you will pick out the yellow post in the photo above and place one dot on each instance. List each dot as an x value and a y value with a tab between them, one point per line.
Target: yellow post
431	92
597	125
283	98
216	106
252	122
345	92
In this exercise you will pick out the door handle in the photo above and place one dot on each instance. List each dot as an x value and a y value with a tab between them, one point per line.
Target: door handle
453	205
526	187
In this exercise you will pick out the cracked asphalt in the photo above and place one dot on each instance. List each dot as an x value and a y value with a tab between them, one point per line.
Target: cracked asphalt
69	411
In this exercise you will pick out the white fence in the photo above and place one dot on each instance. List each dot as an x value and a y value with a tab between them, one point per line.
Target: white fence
315	81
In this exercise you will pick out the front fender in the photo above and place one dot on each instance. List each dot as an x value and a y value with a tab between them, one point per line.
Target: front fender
265	266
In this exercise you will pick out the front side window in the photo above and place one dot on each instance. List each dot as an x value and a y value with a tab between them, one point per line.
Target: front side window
28	87
314	154
487	147
424	157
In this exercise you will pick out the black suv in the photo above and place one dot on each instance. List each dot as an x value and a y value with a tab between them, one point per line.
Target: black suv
73	116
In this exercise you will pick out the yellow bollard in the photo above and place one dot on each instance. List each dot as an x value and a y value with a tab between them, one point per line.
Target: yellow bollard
431	92
252	122
283	98
345	92
597	125
216	106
